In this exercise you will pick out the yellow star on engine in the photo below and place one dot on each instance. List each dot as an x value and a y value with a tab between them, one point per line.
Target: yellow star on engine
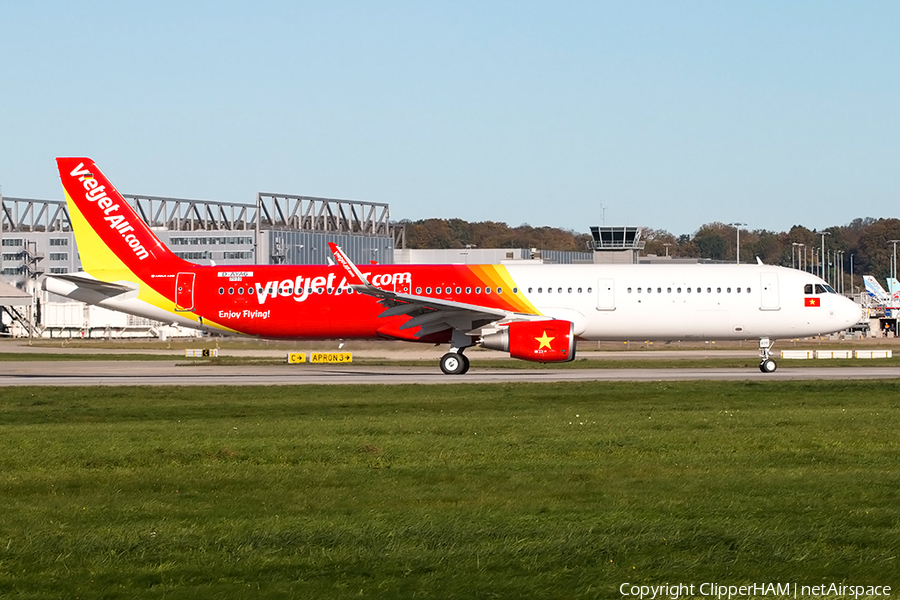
545	341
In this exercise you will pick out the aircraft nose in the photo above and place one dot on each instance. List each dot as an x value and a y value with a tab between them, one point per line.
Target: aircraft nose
849	312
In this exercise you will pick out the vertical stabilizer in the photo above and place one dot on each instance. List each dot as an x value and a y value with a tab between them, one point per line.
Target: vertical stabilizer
113	242
874	289
893	288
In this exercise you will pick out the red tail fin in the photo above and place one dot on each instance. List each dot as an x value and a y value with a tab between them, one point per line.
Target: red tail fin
110	235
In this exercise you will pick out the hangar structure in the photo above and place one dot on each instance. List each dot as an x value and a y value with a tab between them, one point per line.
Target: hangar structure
36	238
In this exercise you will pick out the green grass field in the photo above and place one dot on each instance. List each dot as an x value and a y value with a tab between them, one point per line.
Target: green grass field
474	491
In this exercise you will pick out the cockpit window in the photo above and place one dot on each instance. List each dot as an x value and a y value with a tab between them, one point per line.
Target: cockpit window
818	289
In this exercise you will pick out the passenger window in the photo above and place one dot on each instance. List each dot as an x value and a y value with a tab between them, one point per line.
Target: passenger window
540	290
589	290
709	290
230	291
515	290
679	290
549	290
718	290
458	290
559	290
570	290
468	290
728	290
499	290
222	291
659	290
487	290
579	290
669	290
739	290
418	290
748	290
478	290
639	290
428	290
240	291
689	290
629	290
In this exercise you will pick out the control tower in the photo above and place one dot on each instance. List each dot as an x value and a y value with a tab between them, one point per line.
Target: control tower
620	245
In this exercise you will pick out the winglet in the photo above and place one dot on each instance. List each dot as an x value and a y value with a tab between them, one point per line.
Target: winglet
354	277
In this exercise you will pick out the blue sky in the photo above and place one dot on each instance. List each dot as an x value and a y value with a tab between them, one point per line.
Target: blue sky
671	114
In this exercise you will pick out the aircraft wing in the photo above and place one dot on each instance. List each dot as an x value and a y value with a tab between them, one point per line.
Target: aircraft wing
431	314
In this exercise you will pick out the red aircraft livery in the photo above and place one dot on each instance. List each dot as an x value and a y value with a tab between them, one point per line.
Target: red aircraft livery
533	312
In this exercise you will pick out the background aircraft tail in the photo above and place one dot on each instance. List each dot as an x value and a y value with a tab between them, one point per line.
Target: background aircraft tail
874	289
893	287
113	242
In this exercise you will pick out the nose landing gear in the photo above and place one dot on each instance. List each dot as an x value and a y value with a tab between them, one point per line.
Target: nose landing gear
766	364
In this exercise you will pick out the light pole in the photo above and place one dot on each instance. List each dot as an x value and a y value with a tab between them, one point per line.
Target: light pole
852	291
894	259
840	280
737	228
794	245
822	269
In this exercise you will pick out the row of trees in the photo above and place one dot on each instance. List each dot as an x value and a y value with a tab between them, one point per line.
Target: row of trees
867	241
456	233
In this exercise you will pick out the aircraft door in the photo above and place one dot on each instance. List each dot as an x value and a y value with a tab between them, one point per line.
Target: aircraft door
184	291
769	298
606	294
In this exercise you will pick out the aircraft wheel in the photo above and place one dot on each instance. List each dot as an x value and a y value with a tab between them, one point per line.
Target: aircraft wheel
454	364
768	366
465	360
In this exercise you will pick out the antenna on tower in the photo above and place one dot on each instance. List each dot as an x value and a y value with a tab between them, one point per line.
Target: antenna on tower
602	213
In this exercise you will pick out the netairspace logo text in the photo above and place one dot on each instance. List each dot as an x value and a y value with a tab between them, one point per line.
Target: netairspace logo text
754	590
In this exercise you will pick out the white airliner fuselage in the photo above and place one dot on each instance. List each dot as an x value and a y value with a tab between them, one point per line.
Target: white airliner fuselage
672	302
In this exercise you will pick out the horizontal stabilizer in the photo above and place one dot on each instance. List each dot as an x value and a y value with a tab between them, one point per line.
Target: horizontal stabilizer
95	285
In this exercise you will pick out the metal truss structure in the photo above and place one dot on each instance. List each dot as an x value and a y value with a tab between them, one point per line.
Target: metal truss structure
24	214
178	214
322	215
272	211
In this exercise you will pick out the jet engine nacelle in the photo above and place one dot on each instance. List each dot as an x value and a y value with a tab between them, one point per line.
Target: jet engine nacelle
539	341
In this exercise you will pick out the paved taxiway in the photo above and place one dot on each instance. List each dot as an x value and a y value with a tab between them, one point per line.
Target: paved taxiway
80	373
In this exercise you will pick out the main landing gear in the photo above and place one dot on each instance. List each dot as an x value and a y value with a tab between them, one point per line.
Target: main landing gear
455	362
766	364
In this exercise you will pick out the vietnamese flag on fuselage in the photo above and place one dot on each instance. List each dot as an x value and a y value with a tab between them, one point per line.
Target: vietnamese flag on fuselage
811	302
